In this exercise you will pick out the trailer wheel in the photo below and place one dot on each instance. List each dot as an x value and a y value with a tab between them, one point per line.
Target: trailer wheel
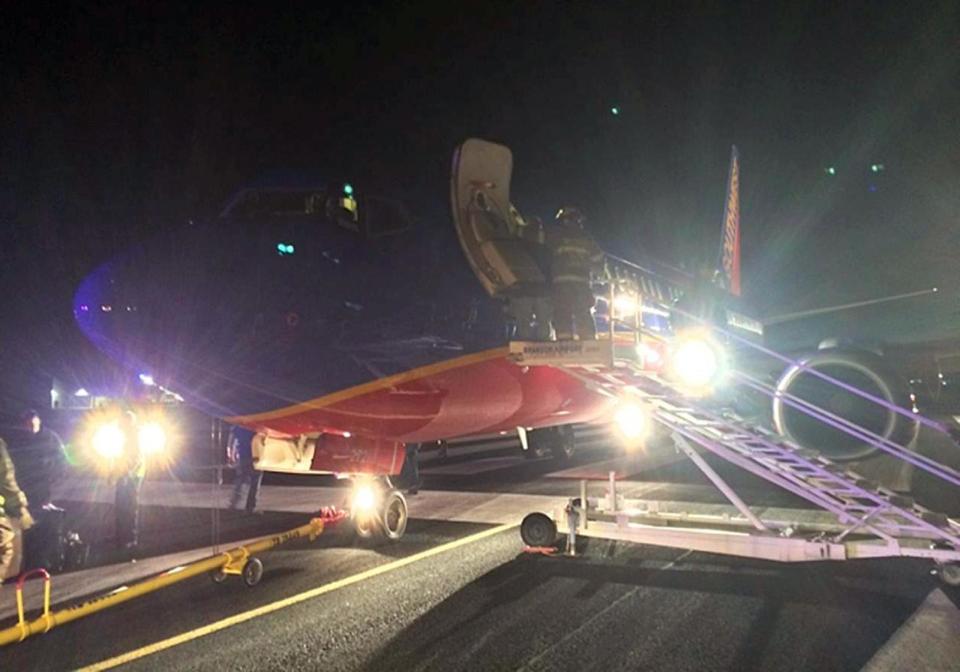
950	574
252	572
538	530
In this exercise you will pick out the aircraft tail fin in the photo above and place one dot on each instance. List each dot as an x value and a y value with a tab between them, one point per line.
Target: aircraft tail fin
728	270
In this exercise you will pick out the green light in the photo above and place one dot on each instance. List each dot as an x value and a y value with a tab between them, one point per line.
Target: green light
348	189
876	167
285	248
831	170
615	111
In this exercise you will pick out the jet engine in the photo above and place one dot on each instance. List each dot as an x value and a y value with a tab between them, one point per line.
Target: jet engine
862	370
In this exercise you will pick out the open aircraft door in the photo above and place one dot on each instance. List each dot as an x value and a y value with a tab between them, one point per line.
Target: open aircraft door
487	224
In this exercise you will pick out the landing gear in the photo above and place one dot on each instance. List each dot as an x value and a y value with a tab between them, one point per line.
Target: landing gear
560	443
538	445
364	525
565	444
377	509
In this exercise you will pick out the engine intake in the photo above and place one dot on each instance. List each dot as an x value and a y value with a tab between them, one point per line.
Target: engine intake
862	370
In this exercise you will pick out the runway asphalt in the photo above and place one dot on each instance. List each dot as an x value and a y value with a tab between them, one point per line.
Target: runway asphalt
463	596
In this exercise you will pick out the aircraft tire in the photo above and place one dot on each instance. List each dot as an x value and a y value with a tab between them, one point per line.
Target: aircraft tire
559	443
564	445
538	442
394	516
364	526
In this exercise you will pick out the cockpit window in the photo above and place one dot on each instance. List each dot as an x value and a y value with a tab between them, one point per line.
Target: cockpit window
383	217
373	217
275	203
343	210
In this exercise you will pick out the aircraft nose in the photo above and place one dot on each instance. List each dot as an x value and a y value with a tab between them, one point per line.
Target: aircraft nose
93	306
178	306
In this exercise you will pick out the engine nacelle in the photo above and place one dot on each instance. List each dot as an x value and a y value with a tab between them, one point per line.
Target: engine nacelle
863	370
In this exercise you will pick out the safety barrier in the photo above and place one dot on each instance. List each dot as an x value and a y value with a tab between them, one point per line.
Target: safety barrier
21	618
234	561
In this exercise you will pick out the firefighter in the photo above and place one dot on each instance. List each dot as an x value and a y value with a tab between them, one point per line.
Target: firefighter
573	252
246	487
409	478
539	309
528	305
13	504
132	470
38	456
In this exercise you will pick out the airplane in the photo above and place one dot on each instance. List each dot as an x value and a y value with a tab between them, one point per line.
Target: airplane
341	329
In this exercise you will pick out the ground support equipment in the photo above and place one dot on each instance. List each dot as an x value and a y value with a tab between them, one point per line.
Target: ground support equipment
241	561
859	518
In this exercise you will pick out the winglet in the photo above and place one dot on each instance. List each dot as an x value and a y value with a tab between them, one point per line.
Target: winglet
728	272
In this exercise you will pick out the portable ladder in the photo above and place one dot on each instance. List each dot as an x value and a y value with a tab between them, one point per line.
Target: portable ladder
859	518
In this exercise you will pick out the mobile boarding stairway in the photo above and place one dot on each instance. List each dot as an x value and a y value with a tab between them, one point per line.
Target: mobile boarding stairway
857	518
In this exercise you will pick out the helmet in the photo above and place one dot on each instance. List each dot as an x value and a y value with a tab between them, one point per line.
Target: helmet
570	216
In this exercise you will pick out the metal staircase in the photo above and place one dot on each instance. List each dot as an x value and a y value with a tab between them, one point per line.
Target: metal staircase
865	519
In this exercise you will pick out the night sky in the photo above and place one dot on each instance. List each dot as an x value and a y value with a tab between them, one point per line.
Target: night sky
117	123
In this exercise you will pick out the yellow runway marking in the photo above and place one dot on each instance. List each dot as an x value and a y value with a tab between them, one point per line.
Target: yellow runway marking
225	623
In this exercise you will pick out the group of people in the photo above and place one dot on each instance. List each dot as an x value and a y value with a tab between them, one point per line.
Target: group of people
563	308
33	459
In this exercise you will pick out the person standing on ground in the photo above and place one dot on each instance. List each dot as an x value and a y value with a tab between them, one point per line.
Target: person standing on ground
133	469
39	459
409	478
13	504
248	477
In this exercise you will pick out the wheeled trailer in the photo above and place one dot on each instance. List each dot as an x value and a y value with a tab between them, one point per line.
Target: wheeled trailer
853	517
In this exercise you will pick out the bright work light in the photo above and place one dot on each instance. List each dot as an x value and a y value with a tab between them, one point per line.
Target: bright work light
697	362
364	498
152	439
108	441
631	421
626	304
